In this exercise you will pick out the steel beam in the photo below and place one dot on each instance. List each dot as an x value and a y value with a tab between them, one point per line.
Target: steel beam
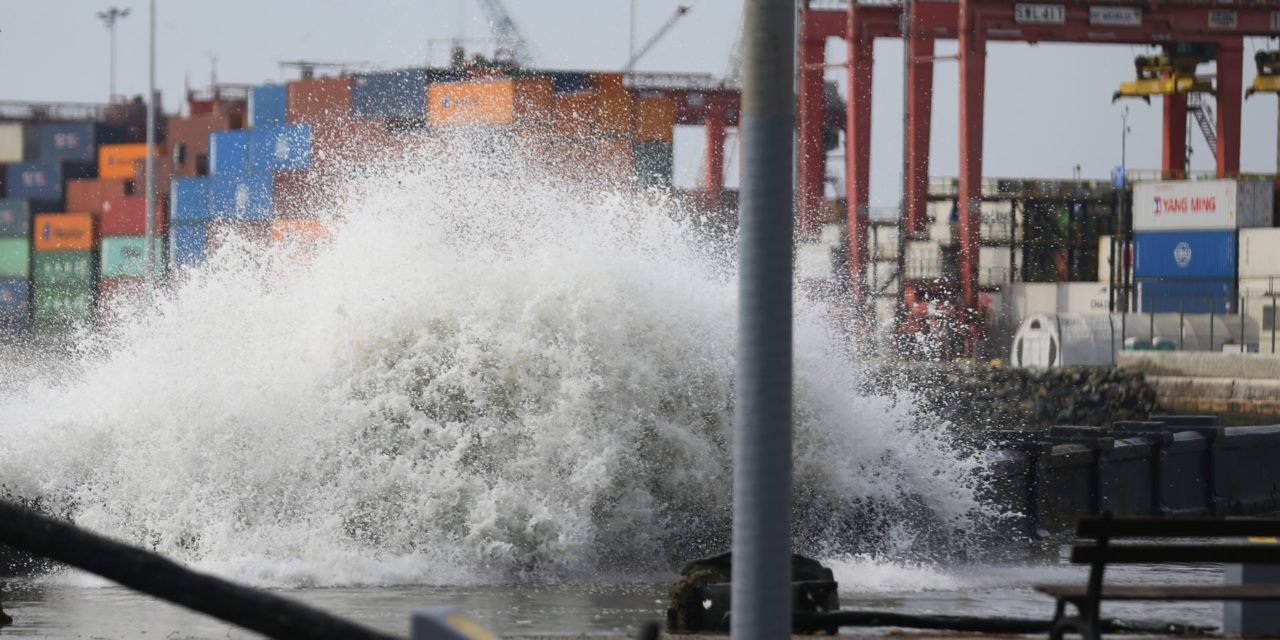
1173	145
919	115
1230	88
972	57
858	165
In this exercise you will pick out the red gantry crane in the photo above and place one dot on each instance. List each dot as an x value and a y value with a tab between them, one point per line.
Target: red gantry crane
1218	28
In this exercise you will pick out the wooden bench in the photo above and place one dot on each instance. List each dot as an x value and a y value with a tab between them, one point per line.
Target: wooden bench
1087	598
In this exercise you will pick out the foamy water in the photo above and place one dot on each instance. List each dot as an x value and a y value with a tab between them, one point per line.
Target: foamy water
486	376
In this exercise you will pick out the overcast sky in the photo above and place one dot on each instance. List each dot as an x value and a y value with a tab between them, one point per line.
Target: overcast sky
1048	106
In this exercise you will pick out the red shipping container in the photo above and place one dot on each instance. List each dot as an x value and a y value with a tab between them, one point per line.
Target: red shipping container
319	100
164	172
126	216
188	142
88	195
345	141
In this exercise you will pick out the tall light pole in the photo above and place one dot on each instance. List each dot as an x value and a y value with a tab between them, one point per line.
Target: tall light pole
761	587
1124	138
150	180
109	17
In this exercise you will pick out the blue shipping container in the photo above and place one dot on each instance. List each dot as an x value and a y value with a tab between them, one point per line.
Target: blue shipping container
187	243
284	148
267	105
241	197
15	215
76	141
228	152
1187	296
395	94
45	180
14	294
189	200
1184	254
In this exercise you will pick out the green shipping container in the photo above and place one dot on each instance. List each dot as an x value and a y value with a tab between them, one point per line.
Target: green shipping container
122	256
653	163
63	302
63	267
15	257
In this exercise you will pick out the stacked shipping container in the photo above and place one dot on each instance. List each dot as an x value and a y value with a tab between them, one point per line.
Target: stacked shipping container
1185	241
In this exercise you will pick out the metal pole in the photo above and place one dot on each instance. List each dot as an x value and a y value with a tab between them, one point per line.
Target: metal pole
148	250
900	309
761	591
1182	323
111	92
1273	325
631	37
1240	312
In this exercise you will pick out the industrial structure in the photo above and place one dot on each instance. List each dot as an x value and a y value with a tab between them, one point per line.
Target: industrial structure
1190	33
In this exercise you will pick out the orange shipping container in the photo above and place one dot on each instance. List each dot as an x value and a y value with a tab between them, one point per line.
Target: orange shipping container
655	120
300	230
614	113
492	102
64	232
118	160
579	115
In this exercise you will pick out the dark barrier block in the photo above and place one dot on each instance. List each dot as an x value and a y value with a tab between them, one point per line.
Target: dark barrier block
1128	478
1246	475
1186	476
1131	426
1071	431
1067	485
1010	487
1185	421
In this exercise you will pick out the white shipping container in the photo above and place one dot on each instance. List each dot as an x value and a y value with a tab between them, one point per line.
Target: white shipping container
1259	253
17	142
993	265
1261	301
1202	204
1026	298
924	260
1084	298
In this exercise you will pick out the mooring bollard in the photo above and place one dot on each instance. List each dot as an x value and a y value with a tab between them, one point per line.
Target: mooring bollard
1252	618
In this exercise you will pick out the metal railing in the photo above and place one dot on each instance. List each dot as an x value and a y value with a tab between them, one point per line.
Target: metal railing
1243	323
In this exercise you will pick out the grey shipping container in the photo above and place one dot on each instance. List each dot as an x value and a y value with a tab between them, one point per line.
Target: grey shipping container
398	94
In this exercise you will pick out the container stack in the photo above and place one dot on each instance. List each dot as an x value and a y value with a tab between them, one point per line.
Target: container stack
63	274
15	269
1185	241
652	152
189	217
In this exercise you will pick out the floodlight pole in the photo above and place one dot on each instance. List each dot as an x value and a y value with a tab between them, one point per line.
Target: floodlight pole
761	591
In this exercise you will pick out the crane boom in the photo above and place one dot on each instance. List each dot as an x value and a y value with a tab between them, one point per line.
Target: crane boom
681	10
511	42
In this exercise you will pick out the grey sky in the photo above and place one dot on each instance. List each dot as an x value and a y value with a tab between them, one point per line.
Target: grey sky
1048	106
